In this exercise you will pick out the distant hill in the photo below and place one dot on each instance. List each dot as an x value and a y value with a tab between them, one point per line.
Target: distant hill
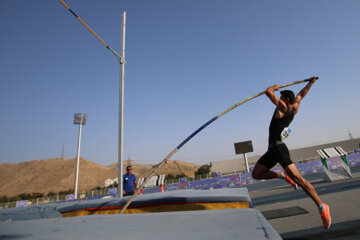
43	176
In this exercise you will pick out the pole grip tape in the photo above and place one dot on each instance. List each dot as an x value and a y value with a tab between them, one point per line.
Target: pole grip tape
73	13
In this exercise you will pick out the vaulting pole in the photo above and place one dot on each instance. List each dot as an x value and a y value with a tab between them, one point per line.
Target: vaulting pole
121	90
196	132
78	18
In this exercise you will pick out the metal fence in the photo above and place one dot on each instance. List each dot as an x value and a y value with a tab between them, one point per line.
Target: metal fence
51	199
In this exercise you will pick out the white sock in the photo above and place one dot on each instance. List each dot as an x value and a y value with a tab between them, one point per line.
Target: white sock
283	175
321	208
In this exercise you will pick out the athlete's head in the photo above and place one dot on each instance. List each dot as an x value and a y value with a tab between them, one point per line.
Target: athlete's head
289	95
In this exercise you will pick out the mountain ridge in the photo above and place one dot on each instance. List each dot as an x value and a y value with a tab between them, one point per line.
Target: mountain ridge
56	174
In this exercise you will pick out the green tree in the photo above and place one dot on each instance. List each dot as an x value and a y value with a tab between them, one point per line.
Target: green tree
35	195
203	170
4	199
69	191
114	185
24	196
51	194
96	188
15	198
170	176
181	175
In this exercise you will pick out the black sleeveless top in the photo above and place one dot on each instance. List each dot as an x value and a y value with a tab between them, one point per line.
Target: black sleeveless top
277	125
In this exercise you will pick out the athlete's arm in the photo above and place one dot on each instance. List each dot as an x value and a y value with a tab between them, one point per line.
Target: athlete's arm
270	93
303	92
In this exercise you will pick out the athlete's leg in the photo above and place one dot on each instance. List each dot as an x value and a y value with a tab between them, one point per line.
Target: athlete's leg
262	172
294	174
290	181
284	159
264	164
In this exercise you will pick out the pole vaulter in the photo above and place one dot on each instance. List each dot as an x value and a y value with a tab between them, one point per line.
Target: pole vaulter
196	132
121	59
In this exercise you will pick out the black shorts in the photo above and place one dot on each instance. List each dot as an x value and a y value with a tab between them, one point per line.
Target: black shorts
276	154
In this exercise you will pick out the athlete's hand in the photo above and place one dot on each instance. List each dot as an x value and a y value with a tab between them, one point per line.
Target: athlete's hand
314	78
276	87
270	90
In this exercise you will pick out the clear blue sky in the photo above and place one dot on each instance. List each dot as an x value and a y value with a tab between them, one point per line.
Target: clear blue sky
186	61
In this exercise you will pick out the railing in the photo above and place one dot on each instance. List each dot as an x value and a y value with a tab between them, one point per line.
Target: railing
51	199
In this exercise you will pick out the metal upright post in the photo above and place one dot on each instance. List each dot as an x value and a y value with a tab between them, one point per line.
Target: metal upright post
78	160
246	163
80	119
121	108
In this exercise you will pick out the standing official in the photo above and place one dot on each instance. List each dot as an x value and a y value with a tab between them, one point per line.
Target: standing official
129	181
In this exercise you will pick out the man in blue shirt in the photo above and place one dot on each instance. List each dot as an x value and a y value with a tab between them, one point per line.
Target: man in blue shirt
129	182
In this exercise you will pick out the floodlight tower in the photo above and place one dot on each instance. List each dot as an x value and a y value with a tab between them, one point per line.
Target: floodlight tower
79	118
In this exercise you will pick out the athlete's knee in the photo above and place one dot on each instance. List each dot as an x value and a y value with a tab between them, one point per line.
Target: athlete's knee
255	174
258	171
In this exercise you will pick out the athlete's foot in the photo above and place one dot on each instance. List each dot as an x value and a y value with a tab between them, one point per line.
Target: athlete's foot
325	217
291	182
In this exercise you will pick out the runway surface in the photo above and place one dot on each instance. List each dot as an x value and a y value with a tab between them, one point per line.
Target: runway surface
342	197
